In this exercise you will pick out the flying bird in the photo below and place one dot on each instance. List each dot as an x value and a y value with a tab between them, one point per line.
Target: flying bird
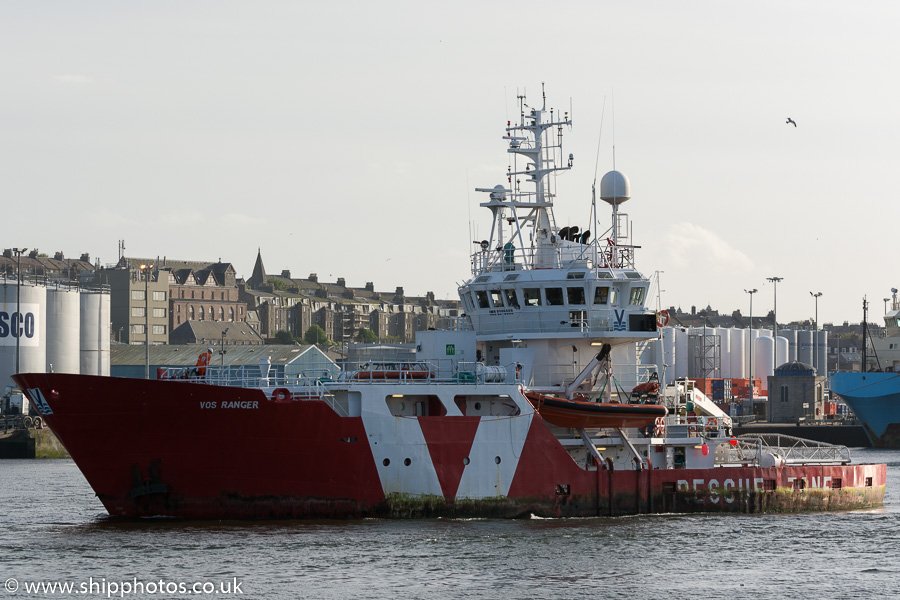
790	121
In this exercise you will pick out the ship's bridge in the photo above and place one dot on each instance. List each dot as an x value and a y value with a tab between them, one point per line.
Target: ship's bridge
577	302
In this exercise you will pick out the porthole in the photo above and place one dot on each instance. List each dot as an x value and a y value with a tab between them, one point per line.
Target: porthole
466	460
407	462
478	406
386	462
497	459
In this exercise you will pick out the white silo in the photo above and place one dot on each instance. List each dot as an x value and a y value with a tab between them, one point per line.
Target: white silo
667	375
805	347
63	329
821	352
752	357
95	331
23	318
682	359
791	335
763	357
782	350
724	352
738	354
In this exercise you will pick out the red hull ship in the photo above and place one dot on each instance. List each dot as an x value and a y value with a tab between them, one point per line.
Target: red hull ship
193	450
453	433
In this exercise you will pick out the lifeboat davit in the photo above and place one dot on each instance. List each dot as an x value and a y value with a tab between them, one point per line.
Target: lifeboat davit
581	413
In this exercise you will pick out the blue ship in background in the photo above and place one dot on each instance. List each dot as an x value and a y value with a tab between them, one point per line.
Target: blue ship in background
874	397
875	400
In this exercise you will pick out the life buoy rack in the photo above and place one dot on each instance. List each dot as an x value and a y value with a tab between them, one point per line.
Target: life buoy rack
662	318
659	427
712	424
282	395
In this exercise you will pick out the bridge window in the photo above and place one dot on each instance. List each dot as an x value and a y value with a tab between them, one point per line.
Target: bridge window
511	299
601	295
554	296
575	295
481	295
532	296
497	298
637	296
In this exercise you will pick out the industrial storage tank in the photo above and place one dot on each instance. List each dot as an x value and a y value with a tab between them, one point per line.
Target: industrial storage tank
724	352
27	325
95	332
738	354
763	359
682	359
63	329
821	352
805	347
782	348
667	364
791	335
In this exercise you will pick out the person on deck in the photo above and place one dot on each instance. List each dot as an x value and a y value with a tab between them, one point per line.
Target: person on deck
202	362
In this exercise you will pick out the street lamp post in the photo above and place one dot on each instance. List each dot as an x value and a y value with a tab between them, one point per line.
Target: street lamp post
775	281
816	333
18	252
750	361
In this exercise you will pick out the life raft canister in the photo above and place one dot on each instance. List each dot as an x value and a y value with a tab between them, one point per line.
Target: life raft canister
662	318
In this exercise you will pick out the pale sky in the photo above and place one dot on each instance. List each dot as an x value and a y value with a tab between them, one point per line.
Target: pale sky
346	138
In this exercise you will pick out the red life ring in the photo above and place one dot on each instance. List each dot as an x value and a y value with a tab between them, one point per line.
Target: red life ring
659	427
662	318
712	424
282	395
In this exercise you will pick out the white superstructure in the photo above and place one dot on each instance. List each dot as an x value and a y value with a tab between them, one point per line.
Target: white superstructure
553	290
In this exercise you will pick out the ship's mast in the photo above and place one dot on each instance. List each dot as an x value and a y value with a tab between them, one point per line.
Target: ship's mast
530	139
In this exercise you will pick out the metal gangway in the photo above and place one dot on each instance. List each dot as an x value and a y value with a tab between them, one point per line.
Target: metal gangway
750	448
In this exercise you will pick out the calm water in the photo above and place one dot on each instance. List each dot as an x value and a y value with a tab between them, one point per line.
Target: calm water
53	529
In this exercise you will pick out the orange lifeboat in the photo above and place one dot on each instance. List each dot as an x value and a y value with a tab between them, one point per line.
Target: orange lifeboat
580	413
